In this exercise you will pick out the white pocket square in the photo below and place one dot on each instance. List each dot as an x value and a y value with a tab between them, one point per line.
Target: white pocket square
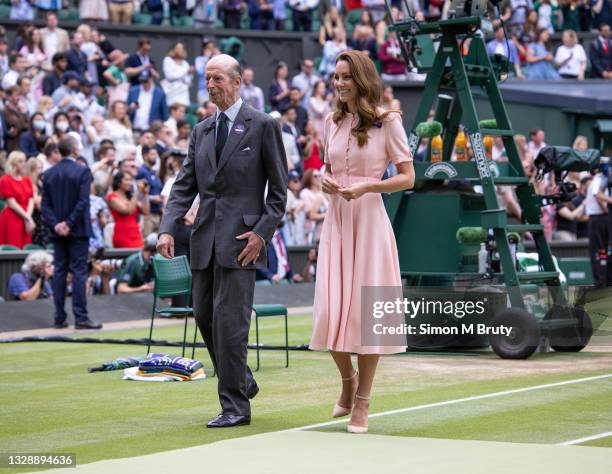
248	148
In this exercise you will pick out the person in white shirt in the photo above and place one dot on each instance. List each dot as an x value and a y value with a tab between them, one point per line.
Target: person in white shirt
142	108
177	112
55	39
249	92
17	65
178	75
537	142
305	80
570	57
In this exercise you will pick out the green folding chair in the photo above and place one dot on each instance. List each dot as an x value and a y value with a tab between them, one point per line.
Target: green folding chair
172	278
265	311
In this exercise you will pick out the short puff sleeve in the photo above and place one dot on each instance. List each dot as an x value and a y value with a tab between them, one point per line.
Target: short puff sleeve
396	141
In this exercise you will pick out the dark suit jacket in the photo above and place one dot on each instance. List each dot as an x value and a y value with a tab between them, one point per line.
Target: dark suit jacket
77	61
600	61
65	197
159	108
232	193
133	60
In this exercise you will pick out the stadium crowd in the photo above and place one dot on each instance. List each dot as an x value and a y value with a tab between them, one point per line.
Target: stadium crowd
132	117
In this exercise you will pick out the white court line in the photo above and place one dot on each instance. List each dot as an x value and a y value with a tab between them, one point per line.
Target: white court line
588	438
458	400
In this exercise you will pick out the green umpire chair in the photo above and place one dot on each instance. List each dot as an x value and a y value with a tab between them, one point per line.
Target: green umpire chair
172	278
265	311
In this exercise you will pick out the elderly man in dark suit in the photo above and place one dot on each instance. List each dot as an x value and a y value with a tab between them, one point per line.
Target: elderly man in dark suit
231	158
65	209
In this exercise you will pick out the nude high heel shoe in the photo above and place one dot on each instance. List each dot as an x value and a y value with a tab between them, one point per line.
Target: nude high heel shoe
357	428
340	410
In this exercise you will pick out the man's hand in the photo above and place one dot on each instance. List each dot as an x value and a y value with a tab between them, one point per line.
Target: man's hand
148	287
62	229
253	247
276	279
165	246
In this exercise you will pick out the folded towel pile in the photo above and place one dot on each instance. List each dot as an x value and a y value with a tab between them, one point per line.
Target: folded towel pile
165	368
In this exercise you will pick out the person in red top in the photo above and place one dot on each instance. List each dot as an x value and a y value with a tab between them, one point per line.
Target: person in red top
16	223
125	204
313	148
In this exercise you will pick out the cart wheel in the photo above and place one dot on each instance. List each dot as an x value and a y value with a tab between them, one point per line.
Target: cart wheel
573	339
524	336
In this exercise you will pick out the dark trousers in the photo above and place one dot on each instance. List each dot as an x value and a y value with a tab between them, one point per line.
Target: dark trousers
302	21
232	19
70	255
223	299
598	248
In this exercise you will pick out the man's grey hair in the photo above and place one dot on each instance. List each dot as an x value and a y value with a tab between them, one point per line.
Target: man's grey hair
35	259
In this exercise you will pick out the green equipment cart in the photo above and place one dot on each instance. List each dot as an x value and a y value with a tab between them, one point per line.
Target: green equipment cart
426	220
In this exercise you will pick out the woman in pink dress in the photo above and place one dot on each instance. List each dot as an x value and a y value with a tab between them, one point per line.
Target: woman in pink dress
357	248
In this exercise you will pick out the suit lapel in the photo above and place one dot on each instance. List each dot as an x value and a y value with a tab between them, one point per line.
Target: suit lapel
209	143
242	122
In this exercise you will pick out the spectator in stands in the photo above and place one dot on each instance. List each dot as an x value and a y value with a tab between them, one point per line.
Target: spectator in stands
315	204
364	40
55	39
546	13
366	24
67	94
22	33
147	173
289	143
573	13
177	112
319	107
4	57
279	12
136	274
33	281
92	51
232	10
93	10
301	114
205	13
499	45
52	155
602	12
17	66
100	216
261	15
117	82
141	61
568	216
21	10
102	170
582	226
600	53
27	101
536	142
16	223
178	75
278	269
390	56
519	9
178	9
540	59
15	118
331	20
125	206
121	11
376	8
117	127
313	148
33	140
278	92
305	80
61	126
77	60
53	79
34	50
146	103
530	28
100	273
295	215
209	49
302	11
290	126
570	57
331	49
250	93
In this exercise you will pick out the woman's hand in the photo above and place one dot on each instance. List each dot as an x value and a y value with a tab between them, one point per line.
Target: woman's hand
330	186
354	191
29	225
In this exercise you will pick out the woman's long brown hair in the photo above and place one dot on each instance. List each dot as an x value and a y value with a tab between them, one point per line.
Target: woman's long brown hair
369	95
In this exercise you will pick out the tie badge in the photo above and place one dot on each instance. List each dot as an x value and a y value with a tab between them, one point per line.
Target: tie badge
239	129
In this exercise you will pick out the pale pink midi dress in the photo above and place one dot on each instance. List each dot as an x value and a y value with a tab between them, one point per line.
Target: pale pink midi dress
357	246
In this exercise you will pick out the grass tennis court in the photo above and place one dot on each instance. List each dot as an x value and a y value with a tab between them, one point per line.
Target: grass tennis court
49	402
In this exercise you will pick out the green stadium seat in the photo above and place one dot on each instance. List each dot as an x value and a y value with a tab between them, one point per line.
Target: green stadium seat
266	311
5	11
33	247
183	22
2	204
10	248
72	14
141	19
191	119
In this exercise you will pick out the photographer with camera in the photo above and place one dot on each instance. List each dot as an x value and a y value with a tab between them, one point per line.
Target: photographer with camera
598	205
33	281
136	275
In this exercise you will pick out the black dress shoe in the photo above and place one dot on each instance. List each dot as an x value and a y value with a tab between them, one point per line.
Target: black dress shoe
227	421
88	324
62	325
252	390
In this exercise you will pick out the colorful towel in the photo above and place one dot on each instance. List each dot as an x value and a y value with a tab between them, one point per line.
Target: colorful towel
133	373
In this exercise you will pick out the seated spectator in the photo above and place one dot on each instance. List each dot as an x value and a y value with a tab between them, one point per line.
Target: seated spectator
136	275
4	56
15	118
602	12
540	59
545	15
146	103
570	57
574	14
34	280
178	75
261	15
125	205
331	20
250	93
100	216
390	56
499	45
178	9
331	50
278	269
121	11
568	216
53	79
32	142
278	92
100	273
600	54
302	11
